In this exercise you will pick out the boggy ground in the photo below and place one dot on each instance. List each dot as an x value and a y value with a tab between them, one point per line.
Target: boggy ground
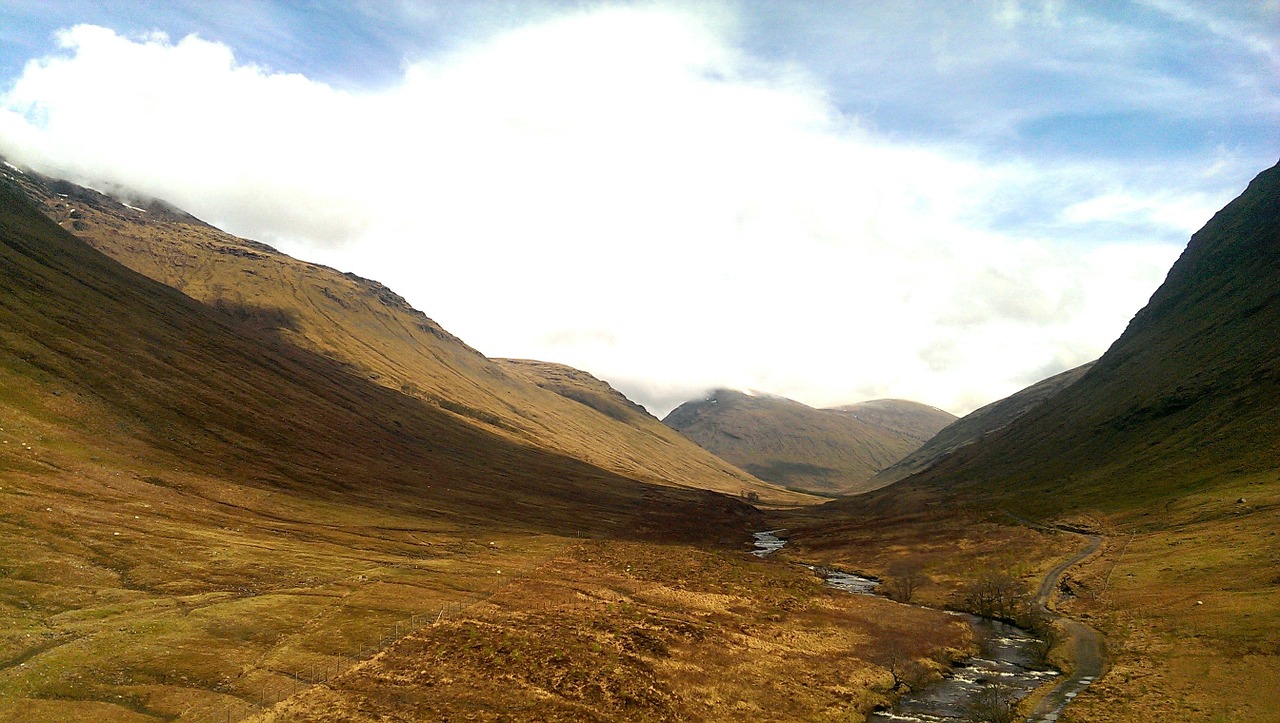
614	630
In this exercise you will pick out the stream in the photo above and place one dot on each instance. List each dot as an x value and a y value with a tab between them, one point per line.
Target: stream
1006	659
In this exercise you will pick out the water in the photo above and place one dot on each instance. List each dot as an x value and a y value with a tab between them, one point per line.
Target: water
1006	660
767	542
848	581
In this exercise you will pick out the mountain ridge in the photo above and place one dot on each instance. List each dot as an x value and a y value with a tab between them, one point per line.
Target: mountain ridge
977	424
1197	369
825	451
373	331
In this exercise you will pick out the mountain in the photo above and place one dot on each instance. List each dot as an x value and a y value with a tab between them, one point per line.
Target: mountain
375	334
978	424
195	512
911	419
1166	453
1186	397
138	360
792	444
584	389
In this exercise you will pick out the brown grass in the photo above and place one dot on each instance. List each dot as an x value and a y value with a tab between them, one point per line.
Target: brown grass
1188	597
373	334
1185	593
948	548
626	631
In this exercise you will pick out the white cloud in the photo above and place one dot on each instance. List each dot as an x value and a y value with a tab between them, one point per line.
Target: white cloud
1179	212
623	190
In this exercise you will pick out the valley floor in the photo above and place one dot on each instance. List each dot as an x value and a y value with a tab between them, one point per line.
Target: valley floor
1184	596
1187	598
636	631
135	589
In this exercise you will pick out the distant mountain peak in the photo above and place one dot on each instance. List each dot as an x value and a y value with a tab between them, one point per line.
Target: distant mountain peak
792	444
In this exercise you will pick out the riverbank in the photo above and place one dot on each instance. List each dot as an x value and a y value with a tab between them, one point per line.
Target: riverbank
1002	673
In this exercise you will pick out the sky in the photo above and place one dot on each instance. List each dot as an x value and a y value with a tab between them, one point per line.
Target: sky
831	202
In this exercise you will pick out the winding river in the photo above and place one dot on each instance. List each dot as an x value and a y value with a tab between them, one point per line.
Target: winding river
1006	660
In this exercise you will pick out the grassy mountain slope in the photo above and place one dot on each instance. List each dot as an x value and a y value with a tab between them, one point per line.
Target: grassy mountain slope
913	419
372	332
790	443
1186	397
200	520
1168	447
978	424
179	376
192	512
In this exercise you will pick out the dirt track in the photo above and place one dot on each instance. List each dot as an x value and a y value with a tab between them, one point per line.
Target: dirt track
1086	650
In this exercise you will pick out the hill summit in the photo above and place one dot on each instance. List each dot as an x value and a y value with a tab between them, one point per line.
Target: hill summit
829	451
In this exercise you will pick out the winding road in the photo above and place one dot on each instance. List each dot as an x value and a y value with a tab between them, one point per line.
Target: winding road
1086	643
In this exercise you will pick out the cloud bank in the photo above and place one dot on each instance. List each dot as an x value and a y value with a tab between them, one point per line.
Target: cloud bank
628	191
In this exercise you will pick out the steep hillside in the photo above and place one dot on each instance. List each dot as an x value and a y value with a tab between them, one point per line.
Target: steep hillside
374	333
141	359
194	512
978	424
912	419
587	390
1167	450
790	443
1186	397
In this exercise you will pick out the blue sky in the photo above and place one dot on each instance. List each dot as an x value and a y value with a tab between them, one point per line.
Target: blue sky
1060	79
937	200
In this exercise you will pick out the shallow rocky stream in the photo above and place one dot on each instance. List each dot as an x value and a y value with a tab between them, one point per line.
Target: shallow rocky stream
1006	660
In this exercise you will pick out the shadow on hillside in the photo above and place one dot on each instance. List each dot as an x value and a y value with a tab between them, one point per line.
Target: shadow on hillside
225	392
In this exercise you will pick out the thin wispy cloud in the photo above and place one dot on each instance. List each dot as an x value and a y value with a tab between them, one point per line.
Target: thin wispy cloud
644	192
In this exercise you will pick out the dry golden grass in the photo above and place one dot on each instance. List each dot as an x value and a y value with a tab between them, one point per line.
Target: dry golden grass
629	631
949	547
374	334
131	590
1187	594
1189	598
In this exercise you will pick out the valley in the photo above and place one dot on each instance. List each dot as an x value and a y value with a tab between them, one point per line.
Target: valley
237	486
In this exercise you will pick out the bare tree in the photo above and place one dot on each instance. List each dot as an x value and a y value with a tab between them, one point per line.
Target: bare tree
908	673
1039	622
903	583
993	704
996	594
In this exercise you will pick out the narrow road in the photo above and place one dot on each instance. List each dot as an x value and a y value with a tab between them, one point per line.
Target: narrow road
1086	643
